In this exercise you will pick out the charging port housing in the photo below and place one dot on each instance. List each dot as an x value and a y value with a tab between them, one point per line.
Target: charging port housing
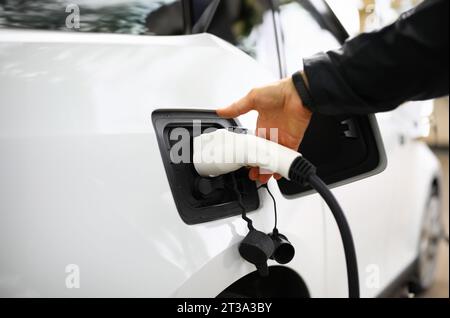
200	199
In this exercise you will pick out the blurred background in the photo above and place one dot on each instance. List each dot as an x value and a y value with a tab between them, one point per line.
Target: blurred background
373	15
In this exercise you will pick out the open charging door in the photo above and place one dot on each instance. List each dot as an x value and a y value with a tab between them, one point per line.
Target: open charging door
343	148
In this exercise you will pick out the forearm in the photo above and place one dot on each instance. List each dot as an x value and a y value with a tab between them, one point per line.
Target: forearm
375	72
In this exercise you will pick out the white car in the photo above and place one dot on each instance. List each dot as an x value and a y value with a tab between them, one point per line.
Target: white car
86	206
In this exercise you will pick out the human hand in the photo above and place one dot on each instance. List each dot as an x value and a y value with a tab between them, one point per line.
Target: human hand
278	106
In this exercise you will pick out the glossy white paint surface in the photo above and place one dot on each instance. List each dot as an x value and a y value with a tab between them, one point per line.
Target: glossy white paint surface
82	181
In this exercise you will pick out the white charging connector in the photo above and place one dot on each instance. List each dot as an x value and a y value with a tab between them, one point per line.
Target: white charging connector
224	151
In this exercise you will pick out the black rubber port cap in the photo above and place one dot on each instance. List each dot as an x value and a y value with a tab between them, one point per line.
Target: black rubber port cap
256	248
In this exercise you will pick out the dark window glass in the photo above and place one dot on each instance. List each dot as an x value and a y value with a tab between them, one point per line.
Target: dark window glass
303	35
160	17
248	24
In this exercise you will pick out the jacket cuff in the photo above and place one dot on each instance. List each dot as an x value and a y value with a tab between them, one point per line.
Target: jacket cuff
317	69
328	89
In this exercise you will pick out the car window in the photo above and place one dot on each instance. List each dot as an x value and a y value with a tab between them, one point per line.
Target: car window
158	17
303	36
248	25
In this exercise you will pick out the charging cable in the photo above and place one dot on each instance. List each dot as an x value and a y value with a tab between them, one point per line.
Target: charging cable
303	172
257	247
275	227
241	204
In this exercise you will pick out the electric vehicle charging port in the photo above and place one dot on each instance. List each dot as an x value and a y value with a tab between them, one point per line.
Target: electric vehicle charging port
199	199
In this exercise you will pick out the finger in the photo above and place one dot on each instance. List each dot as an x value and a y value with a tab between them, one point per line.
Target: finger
264	178
238	108
277	176
253	174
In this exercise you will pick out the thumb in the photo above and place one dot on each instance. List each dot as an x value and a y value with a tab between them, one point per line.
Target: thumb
238	108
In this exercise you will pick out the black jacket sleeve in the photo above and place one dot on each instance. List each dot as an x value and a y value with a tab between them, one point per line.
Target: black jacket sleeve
378	71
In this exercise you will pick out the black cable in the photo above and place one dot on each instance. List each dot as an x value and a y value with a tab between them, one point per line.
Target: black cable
241	204
275	228
344	229
303	172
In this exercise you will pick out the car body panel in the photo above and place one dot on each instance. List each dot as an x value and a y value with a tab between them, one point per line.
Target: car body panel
82	181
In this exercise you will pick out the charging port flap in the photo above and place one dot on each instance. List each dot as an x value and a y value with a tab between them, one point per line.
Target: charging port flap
199	199
343	148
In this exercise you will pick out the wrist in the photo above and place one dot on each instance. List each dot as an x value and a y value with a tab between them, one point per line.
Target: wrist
301	85
302	113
